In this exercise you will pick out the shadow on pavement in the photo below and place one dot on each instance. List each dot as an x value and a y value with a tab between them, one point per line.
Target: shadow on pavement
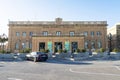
68	62
12	60
52	61
1	66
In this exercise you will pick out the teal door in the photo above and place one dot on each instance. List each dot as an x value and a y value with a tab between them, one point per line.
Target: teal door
67	45
50	46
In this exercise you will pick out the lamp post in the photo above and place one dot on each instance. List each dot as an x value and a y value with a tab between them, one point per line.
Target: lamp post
19	44
110	39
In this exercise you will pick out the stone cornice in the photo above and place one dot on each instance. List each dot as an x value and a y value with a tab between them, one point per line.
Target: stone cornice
45	23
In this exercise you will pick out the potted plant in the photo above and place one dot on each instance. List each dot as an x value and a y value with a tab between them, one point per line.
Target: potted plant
115	50
78	51
47	51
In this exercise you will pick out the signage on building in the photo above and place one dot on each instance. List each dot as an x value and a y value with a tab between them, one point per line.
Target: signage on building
50	46
67	45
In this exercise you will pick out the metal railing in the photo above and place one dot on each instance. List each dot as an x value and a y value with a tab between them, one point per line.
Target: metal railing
61	35
53	22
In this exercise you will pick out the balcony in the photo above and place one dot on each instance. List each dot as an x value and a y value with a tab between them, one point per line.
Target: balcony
61	35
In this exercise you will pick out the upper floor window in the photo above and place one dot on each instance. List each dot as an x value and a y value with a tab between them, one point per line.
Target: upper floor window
45	33
92	34
24	34
86	33
17	34
118	26
98	33
72	33
58	33
31	33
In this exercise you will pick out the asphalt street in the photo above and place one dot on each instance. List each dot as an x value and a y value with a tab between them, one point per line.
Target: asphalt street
60	70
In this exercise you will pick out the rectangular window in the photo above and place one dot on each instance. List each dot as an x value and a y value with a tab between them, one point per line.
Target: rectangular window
98	33
24	34
72	33
30	45
58	33
31	33
92	34
17	34
86	44
45	33
118	26
86	33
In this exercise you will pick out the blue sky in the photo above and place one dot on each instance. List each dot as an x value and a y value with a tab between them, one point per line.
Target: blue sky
69	10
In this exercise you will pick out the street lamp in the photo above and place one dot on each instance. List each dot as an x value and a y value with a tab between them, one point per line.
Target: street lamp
110	39
19	41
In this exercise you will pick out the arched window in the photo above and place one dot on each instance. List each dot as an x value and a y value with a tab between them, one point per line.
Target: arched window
92	44
99	43
23	45
16	45
86	44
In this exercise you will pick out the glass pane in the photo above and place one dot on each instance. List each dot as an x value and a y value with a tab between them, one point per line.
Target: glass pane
45	33
17	34
86	44
92	34
24	33
16	46
85	33
58	33
93	44
31	33
71	33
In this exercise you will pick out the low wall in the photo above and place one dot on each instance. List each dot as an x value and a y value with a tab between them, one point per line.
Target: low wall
87	56
76	56
12	56
6	56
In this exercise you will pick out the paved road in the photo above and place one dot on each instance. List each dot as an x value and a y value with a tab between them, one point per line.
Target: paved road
60	70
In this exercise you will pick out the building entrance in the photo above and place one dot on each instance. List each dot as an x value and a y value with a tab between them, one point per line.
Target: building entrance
41	46
58	46
74	46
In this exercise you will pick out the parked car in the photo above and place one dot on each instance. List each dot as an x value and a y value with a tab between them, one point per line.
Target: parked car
37	56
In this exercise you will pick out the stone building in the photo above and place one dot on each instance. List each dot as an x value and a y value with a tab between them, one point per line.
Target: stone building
56	35
115	32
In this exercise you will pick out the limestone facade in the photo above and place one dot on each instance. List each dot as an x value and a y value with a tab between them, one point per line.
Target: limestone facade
115	31
56	34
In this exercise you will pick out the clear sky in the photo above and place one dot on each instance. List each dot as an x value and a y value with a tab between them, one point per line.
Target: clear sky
69	10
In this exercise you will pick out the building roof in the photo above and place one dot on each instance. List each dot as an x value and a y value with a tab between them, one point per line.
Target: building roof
58	21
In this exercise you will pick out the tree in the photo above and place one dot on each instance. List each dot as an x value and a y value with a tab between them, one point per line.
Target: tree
3	39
